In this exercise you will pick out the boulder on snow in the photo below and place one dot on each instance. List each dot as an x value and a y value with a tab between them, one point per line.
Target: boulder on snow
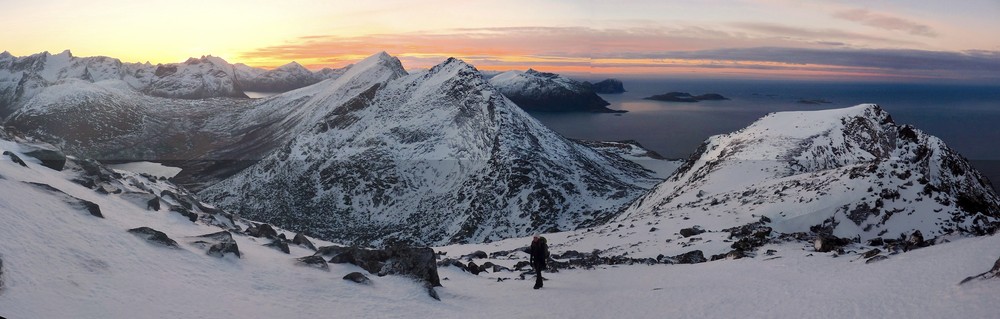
1	273
262	230
691	257
14	158
825	243
871	253
153	236
473	268
314	261
569	254
476	254
301	240
186	212
448	262
49	155
90	207
358	278
914	241
876	258
218	244
280	245
396	260
688	232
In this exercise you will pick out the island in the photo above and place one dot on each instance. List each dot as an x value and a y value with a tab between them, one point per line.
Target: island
608	86
686	97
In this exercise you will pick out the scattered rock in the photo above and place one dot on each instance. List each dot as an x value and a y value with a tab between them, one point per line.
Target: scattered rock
301	240
154	236
871	253
876	259
396	260
476	254
358	278
280	245
219	244
314	261
691	257
688	232
569	254
14	158
433	293
448	262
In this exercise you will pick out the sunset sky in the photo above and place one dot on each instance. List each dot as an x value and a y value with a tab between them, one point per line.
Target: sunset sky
865	39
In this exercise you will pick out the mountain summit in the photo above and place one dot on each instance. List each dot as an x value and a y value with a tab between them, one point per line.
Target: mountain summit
434	157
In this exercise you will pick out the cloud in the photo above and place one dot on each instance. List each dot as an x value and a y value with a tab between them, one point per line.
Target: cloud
771	48
886	22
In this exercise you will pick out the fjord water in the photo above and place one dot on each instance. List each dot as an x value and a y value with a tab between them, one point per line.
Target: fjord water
966	117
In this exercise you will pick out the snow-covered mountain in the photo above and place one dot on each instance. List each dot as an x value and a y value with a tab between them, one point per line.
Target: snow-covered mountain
434	157
549	92
283	78
851	173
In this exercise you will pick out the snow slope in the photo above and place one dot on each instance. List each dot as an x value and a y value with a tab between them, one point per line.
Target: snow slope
433	157
61	262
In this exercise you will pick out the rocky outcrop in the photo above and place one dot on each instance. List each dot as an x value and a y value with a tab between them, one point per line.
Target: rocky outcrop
303	241
992	273
154	236
358	278
314	261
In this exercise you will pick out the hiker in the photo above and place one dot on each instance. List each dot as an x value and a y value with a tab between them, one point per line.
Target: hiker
539	251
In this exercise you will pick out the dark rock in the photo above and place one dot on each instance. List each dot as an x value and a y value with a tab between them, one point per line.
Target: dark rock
314	261
192	216
877	241
1	273
476	254
448	262
396	260
688	232
262	230
521	265
609	86
432	293
219	244
569	254
555	94
301	240
14	158
871	253
153	204
49	155
90	207
827	243
685	97
473	268
877	258
914	241
358	278
691	257
331	251
281	245
154	236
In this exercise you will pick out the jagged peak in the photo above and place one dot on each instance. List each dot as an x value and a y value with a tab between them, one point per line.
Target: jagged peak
66	52
291	66
381	58
452	63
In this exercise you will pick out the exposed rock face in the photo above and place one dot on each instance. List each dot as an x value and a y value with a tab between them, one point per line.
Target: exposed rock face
14	158
429	158
154	236
49	155
536	91
608	86
301	240
281	79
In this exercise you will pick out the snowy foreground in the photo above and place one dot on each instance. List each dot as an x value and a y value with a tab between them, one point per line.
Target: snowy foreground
61	263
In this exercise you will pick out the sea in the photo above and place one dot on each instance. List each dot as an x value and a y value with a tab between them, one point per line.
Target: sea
966	117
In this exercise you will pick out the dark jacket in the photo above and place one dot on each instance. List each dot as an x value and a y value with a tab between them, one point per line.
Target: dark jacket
539	252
